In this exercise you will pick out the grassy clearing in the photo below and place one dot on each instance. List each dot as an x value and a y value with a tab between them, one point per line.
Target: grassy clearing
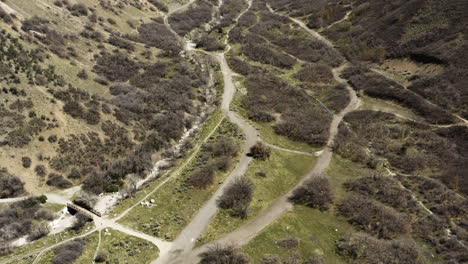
206	129
374	104
316	230
266	130
176	203
123	248
54	207
283	170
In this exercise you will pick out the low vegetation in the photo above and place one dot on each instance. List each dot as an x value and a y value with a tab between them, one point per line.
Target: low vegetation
237	197
24	218
223	254
315	193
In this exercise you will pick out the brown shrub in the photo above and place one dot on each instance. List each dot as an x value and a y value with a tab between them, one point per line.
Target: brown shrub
219	254
260	151
40	170
375	218
236	197
364	249
315	193
10	185
202	178
57	180
26	162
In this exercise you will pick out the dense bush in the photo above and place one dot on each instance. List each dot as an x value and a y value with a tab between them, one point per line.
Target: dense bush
315	193
236	197
26	162
57	180
202	178
116	67
386	190
40	170
69	252
373	217
38	230
376	85
260	151
193	17
219	254
102	256
157	35
364	249
121	43
10	185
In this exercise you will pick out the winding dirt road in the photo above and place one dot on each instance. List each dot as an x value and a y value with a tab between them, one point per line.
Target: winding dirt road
180	253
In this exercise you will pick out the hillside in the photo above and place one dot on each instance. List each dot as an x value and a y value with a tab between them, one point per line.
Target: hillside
233	131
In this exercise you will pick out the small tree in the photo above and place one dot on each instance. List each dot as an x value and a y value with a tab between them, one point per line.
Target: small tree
102	256
315	193
219	254
237	197
40	170
202	178
260	151
26	161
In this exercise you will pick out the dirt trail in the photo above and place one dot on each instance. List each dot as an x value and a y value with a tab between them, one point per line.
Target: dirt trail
97	247
248	231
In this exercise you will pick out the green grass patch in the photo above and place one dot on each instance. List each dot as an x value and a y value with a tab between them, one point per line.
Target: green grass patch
54	207
127	249
283	170
316	230
176	203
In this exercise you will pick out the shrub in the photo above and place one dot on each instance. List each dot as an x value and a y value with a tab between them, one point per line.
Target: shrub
74	174
361	248
69	252
288	243
78	10
82	74
375	218
10	185
236	197
274	259
52	139
40	170
73	108
26	162
102	256
116	67
202	178
385	189
57	180
315	193
260	151
80	221
219	254
38	230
